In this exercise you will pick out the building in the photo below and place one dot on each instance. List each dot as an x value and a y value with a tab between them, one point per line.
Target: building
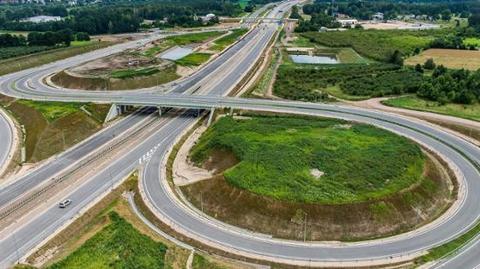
207	17
348	22
42	18
378	16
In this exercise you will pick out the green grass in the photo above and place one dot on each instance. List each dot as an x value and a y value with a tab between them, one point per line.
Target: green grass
23	62
450	247
276	156
472	41
118	245
52	110
194	59
181	40
471	112
130	73
335	91
376	44
200	262
223	42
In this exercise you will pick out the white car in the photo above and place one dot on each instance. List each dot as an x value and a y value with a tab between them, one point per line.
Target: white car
65	203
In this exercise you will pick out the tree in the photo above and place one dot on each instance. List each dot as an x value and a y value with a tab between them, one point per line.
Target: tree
396	58
65	36
419	68
446	15
429	64
82	36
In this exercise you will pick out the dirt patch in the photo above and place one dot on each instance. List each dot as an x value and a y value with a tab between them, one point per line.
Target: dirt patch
398	213
220	160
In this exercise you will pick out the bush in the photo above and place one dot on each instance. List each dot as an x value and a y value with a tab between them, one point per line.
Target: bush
82	36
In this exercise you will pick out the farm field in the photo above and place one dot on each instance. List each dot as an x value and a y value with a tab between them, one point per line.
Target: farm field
450	58
346	177
471	112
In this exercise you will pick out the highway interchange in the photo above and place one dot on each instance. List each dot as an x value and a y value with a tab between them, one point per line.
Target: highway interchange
211	84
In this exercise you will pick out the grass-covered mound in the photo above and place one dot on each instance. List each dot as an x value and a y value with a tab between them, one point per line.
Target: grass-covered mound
313	160
317	179
119	245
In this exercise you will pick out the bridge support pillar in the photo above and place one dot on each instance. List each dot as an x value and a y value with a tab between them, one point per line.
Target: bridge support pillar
160	111
115	111
210	117
231	111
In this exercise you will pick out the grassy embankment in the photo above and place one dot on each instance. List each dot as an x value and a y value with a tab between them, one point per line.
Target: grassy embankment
52	127
19	63
291	147
346	177
471	112
117	245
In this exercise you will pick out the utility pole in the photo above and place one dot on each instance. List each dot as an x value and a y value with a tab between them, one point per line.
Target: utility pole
305	227
201	200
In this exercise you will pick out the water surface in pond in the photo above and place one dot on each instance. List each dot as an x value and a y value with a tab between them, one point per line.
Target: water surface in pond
317	59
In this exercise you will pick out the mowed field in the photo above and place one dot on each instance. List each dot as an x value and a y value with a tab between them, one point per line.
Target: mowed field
450	58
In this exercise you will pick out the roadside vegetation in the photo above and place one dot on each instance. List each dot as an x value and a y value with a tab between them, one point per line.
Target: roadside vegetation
117	245
471	112
52	127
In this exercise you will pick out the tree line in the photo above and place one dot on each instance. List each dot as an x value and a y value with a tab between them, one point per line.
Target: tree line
62	37
118	17
365	9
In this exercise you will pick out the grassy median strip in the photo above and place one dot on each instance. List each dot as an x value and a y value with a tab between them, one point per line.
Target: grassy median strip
450	247
186	39
194	59
223	42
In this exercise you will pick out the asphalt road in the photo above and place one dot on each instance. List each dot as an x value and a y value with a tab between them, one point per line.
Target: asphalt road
6	140
216	84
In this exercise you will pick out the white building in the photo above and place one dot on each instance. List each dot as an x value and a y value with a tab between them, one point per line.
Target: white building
348	22
42	18
379	16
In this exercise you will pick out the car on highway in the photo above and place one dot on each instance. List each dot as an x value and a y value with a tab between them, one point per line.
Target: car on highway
65	203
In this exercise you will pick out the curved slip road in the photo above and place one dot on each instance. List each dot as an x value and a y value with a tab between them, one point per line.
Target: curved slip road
463	154
6	140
